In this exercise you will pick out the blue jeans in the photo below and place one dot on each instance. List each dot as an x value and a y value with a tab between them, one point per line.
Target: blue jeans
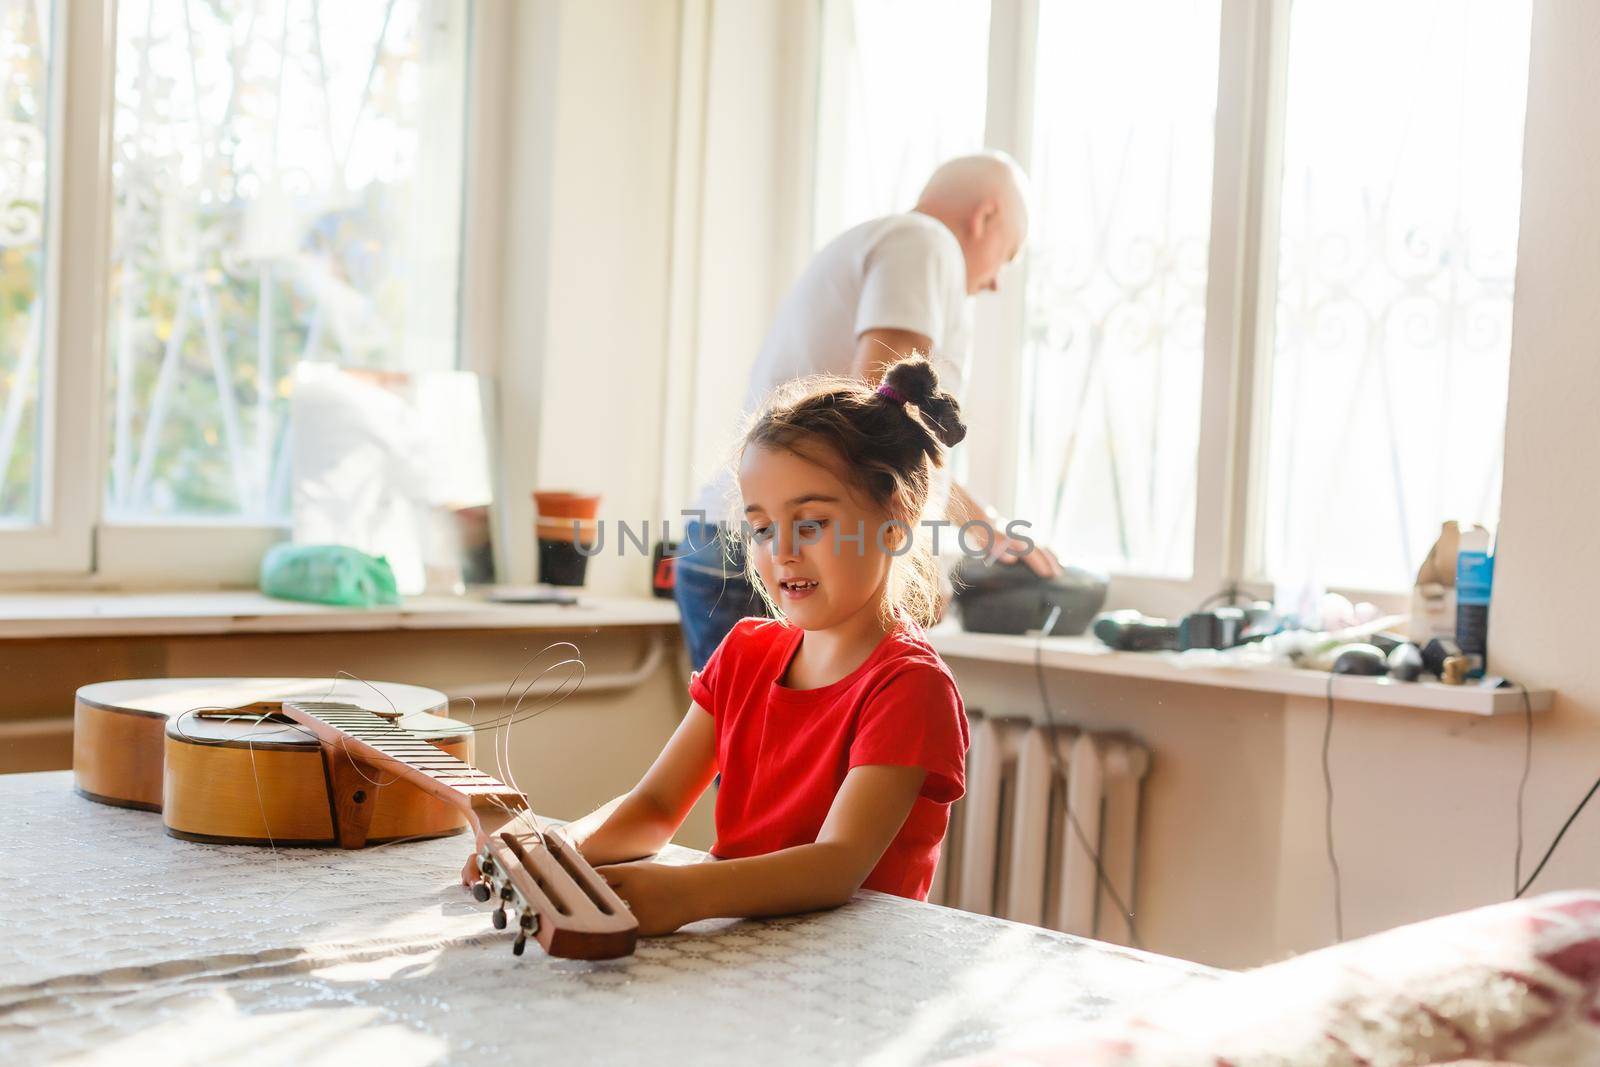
711	590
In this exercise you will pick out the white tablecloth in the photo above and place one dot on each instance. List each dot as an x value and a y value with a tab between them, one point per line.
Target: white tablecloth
120	944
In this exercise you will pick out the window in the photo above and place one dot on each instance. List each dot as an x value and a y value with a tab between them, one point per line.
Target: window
903	88
1262	327
1116	280
287	185
25	125
1397	251
196	195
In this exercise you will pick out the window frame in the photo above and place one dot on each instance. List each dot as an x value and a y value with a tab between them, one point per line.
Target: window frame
61	542
73	544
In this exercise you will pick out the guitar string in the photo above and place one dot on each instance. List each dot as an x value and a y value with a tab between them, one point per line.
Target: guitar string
511	687
344	741
472	713
555	697
543	703
508	720
249	739
501	727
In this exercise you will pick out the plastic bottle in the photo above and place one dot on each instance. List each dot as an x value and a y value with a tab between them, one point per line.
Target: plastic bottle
1474	583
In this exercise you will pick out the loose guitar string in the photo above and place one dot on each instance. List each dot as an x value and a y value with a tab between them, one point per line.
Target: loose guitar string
507	720
344	741
255	775
559	695
261	805
554	698
547	701
250	743
501	725
500	739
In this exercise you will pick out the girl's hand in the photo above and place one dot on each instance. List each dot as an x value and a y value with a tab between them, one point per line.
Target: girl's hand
654	892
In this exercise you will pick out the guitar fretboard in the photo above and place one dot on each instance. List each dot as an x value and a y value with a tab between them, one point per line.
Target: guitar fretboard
374	732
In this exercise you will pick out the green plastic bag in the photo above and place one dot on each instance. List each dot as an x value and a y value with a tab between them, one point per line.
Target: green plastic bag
328	574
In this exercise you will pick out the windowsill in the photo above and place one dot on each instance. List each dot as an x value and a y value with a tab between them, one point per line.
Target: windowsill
1090	656
120	614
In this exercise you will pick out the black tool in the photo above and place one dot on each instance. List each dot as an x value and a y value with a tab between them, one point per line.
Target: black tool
1360	659
1435	652
1009	598
1405	663
1130	631
1222	628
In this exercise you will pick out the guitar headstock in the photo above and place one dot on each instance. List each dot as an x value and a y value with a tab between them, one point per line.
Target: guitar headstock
546	890
554	893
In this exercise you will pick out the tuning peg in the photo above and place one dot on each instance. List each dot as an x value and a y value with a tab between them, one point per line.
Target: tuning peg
525	926
480	891
500	911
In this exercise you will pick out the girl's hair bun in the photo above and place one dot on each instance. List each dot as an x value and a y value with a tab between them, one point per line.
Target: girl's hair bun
916	380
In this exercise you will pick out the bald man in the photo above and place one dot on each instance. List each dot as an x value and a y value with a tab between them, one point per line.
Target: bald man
873	295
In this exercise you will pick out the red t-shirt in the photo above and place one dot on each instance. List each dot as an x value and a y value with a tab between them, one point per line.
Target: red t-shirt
784	753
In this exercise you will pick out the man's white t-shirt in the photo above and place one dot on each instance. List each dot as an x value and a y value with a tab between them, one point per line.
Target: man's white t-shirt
900	272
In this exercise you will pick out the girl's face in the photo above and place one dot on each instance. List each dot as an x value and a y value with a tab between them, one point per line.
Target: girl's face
804	520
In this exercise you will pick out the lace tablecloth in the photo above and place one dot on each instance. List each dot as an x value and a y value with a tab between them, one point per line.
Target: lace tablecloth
120	944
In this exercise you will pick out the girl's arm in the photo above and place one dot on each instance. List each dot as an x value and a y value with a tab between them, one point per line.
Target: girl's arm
642	820
867	813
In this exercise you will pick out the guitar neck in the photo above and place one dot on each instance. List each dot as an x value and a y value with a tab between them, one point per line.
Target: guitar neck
556	896
374	740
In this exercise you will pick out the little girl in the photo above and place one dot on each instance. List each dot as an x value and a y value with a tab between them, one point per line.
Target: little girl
838	732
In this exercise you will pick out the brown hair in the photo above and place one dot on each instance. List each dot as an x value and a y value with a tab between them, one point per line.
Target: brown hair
889	439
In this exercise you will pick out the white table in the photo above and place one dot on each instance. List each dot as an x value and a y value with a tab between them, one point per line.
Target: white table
123	945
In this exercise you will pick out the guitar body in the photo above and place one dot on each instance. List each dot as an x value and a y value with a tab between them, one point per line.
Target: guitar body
226	775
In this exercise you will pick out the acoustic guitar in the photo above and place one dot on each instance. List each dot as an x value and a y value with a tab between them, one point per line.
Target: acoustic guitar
276	762
126	733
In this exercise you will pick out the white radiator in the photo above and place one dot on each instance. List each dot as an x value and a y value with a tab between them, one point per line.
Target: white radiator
1011	850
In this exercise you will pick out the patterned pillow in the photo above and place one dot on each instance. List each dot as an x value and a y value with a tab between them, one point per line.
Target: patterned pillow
1517	982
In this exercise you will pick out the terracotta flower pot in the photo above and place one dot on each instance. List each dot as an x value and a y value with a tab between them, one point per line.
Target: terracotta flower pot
565	522
553	504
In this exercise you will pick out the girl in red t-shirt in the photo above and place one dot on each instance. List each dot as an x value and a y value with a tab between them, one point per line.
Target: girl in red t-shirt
838	732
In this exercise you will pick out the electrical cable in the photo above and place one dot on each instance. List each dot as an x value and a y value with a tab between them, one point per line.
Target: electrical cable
1327	780
1230	592
1523	888
1061	777
1522	786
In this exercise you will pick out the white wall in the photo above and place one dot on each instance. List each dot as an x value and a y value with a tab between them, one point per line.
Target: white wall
751	231
1547	582
583	340
659	206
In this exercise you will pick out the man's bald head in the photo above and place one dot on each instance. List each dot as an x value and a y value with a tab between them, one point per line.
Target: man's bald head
983	199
